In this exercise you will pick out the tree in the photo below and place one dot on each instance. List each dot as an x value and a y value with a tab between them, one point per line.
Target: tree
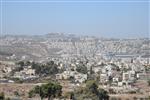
50	63
49	68
31	94
81	68
2	96
69	95
16	93
111	91
48	90
91	91
110	79
103	95
8	98
21	63
91	85
28	63
148	82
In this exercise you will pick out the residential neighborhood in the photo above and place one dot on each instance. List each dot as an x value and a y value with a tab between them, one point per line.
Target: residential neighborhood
118	66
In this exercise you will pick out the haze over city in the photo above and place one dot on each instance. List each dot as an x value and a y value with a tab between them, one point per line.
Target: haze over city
117	19
74	50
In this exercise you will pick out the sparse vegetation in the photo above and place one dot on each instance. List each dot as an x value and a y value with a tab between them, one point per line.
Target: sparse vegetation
91	91
49	90
49	68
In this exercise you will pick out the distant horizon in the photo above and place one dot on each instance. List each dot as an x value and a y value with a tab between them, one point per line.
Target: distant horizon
83	35
108	19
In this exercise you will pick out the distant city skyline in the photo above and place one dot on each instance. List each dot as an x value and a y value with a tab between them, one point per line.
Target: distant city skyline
111	19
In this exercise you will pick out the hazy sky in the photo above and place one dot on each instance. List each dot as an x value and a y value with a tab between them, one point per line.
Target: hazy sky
104	19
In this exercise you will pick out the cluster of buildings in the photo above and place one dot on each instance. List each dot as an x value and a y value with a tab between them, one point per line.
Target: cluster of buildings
26	73
115	63
118	73
72	75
